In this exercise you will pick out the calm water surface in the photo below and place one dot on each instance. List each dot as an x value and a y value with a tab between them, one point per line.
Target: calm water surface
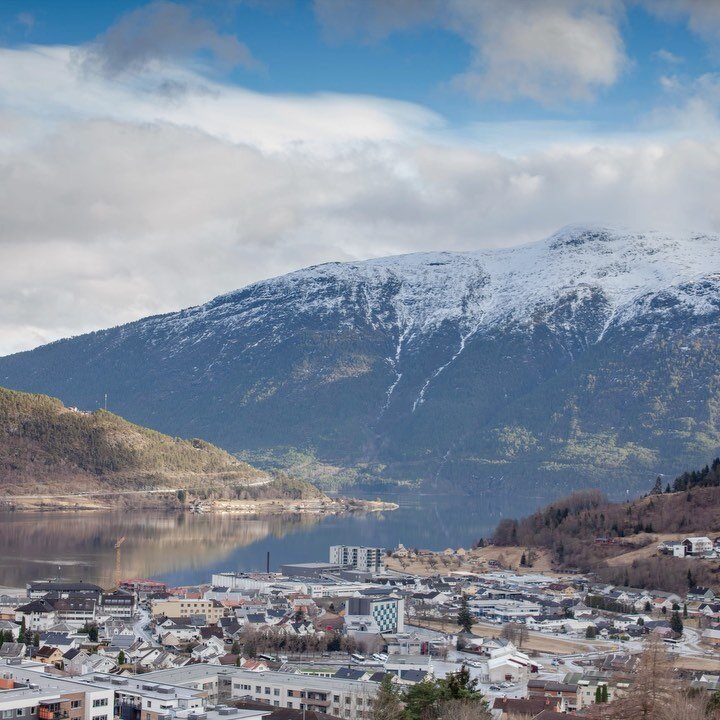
186	549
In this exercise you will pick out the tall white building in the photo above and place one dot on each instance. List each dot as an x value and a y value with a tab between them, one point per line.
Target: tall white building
370	559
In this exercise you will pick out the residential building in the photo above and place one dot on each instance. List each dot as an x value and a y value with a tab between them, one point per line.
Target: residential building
371	559
44	696
137	698
698	545
37	614
119	604
62	589
212	610
334	696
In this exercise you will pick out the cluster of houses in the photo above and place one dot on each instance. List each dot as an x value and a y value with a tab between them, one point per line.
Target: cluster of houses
699	547
544	604
316	637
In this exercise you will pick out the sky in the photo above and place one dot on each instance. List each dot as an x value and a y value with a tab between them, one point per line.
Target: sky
155	155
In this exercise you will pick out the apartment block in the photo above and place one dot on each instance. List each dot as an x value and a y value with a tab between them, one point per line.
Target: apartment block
369	559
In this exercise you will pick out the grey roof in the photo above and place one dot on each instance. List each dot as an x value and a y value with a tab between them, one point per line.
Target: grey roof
12	650
415	676
37	606
60	586
55	638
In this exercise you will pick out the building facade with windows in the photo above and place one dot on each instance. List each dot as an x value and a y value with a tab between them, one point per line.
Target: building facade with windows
384	614
369	559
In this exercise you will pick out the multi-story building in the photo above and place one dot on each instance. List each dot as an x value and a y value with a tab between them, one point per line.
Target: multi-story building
37	695
37	614
185	608
587	688
28	693
62	589
369	559
120	603
334	696
136	698
383	614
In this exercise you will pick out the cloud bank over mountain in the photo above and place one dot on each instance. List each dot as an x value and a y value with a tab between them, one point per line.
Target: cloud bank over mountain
137	178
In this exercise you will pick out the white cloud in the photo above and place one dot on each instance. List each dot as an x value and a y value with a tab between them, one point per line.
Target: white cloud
669	57
548	51
118	203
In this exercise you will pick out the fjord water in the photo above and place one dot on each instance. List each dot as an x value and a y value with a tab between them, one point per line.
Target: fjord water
186	548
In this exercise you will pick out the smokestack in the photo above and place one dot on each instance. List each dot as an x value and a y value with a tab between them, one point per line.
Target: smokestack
267	563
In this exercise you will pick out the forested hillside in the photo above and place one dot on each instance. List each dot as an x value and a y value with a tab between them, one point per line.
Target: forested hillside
46	447
587	531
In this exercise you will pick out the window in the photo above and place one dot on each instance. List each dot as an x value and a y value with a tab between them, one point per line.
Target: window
276	691
102	702
20	711
76	703
336	699
258	689
267	690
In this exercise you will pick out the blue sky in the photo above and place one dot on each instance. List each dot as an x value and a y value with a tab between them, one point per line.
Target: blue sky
154	155
299	54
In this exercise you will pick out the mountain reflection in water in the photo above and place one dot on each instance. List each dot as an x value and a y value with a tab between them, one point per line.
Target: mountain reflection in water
82	545
187	549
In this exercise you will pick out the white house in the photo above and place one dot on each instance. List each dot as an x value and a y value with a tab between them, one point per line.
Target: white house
37	614
699	545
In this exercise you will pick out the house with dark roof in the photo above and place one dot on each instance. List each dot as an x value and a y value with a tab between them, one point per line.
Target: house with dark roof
49	655
62	588
700	594
37	614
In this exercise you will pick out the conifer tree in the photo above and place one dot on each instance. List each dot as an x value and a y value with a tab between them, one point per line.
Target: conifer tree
387	704
676	624
465	618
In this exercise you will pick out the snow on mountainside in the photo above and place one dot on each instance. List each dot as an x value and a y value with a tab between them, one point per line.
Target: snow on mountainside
591	354
418	292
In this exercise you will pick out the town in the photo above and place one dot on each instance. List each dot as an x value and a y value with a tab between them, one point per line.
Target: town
321	639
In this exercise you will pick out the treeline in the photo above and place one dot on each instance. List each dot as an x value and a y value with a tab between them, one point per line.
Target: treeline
585	528
661	572
709	476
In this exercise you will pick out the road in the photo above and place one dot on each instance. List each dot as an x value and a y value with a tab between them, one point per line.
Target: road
139	626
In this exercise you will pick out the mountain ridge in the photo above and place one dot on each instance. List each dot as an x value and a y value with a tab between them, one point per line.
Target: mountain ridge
49	449
449	368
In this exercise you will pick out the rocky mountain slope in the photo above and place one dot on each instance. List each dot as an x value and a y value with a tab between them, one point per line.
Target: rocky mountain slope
588	357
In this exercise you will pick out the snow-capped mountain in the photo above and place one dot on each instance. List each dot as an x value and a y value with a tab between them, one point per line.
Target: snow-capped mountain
591	355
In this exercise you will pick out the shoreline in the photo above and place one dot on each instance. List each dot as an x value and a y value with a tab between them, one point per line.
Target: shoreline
166	500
